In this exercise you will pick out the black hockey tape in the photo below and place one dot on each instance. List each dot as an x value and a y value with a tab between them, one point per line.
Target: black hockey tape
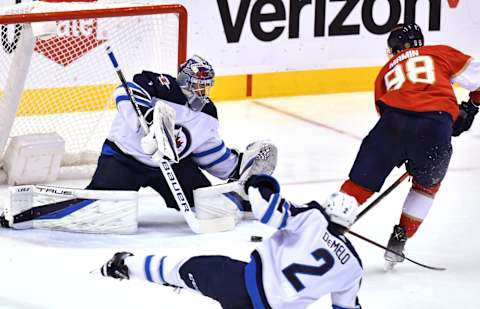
255	238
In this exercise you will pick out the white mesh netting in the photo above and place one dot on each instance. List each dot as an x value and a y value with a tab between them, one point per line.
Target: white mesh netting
68	78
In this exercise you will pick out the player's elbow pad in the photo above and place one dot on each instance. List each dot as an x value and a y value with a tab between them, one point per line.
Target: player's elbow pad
267	204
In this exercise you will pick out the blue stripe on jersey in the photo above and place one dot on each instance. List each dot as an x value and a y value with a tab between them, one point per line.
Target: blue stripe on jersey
286	206
66	211
254	283
148	261
160	269
225	156
134	86
107	150
251	284
271	208
139	100
209	151
340	307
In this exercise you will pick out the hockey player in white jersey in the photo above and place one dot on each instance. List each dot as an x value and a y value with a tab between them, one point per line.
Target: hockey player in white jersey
307	258
129	159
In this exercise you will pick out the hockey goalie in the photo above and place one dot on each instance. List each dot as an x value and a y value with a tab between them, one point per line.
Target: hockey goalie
180	141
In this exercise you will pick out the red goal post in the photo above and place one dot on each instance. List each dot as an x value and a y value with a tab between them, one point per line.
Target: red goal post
62	81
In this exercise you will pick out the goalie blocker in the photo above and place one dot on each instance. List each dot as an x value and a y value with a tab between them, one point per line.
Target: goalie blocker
72	210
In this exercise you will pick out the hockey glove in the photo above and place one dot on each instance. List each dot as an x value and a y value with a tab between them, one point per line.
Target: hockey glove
116	267
464	121
259	158
267	185
160	141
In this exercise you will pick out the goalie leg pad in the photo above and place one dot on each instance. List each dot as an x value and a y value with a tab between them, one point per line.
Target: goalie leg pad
86	211
259	158
226	200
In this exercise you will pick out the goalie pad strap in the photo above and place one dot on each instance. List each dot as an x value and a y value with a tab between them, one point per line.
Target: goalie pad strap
73	210
51	211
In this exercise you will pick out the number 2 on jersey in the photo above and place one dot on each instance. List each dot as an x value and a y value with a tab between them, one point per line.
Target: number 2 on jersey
419	69
292	270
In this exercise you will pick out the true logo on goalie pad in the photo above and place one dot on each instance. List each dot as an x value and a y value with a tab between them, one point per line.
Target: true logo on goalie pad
57	191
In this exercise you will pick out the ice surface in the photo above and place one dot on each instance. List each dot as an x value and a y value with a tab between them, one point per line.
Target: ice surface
317	138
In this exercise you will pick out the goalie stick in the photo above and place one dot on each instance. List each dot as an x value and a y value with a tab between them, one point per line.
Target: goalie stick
394	252
196	225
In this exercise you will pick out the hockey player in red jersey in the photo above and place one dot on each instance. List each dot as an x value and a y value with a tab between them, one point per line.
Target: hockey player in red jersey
418	116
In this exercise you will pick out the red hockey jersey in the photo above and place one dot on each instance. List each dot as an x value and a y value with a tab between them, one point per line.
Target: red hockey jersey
420	79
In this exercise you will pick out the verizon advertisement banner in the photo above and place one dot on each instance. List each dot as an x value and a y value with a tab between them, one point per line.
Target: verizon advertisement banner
256	36
260	36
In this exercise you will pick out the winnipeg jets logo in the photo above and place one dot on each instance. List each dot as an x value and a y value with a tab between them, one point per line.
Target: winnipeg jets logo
183	140
164	81
178	140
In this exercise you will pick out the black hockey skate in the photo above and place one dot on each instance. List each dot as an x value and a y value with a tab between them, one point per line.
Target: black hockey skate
396	243
116	267
4	222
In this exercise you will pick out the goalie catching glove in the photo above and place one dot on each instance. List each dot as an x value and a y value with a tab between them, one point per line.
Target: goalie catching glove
160	140
259	158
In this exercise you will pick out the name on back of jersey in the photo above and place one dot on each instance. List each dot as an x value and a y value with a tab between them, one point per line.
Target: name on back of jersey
406	55
337	247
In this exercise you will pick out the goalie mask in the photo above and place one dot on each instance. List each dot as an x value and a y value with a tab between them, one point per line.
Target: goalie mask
404	36
195	78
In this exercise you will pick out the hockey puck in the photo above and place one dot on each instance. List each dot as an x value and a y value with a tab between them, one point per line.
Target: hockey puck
255	238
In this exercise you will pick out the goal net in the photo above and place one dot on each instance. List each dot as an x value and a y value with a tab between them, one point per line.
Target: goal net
55	75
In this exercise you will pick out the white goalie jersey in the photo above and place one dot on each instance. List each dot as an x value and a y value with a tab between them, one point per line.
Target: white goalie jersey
303	261
196	133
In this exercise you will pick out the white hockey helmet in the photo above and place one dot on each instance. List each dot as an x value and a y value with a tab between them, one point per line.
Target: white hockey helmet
341	208
196	78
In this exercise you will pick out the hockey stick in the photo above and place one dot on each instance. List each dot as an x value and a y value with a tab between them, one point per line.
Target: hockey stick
141	119
196	225
381	196
394	252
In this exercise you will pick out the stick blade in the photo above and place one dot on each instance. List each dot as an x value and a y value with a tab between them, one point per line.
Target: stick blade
216	225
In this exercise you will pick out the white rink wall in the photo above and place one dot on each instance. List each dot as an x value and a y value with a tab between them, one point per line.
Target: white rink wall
241	35
358	47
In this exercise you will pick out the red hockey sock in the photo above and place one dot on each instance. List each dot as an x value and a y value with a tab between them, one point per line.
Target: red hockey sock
410	224
428	191
360	193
